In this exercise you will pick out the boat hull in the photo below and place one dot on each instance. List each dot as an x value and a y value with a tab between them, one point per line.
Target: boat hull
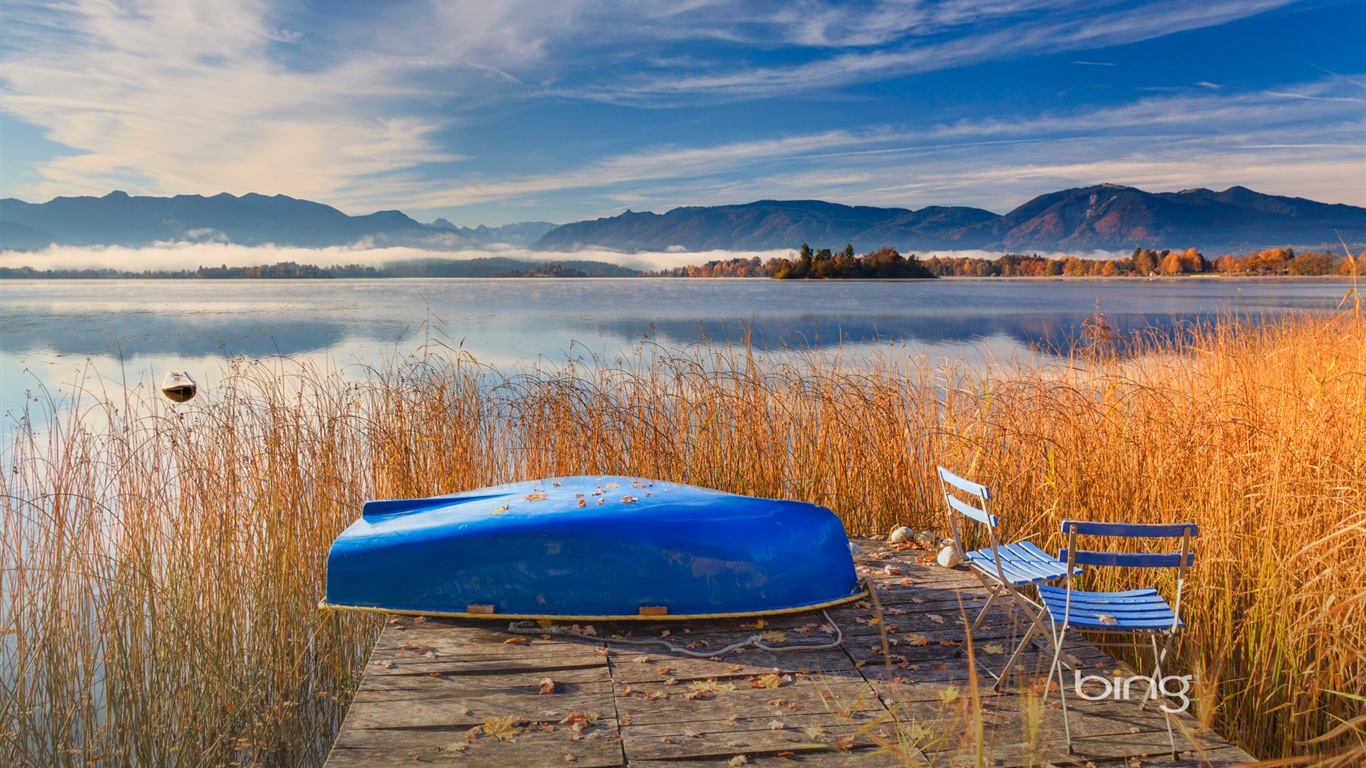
604	547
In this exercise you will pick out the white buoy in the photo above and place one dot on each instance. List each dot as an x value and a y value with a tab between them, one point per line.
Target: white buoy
949	556
900	535
178	386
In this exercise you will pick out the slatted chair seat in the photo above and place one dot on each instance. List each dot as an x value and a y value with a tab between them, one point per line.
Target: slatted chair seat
1138	609
1022	563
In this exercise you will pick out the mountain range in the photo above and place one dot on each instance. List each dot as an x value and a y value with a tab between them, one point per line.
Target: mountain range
1101	217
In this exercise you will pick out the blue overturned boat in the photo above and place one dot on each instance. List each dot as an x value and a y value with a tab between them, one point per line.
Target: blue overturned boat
602	548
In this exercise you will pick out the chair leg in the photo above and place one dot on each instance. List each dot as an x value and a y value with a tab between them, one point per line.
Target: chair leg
1062	685
1035	627
1158	657
993	593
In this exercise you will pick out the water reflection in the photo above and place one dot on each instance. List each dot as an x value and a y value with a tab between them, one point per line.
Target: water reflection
137	330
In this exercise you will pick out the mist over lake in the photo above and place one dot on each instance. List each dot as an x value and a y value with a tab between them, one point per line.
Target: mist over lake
52	332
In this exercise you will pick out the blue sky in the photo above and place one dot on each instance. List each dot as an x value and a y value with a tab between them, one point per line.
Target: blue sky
494	111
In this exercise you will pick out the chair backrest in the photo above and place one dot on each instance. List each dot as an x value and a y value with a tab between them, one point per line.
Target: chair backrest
972	500
1179	560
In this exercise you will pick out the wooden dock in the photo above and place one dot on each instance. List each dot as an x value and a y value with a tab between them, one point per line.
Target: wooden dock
466	693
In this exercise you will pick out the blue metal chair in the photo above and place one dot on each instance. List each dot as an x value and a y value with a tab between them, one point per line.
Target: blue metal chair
1134	613
1008	571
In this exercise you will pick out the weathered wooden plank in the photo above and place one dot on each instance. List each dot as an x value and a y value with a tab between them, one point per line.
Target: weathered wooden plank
414	747
660	704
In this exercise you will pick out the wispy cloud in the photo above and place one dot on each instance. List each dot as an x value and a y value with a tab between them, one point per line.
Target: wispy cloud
1164	142
994	32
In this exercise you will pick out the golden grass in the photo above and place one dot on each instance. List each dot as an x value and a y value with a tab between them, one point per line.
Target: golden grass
160	565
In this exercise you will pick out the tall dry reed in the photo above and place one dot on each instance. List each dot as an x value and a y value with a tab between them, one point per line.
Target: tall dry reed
160	565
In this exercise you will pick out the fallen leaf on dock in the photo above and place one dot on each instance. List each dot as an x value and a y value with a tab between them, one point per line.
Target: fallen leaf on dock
994	649
515	641
770	680
502	728
547	685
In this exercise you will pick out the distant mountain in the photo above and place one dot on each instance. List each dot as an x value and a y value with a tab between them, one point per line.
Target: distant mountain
121	219
522	233
1106	216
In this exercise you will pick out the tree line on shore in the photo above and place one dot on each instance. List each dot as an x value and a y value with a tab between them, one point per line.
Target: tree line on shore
1142	262
807	263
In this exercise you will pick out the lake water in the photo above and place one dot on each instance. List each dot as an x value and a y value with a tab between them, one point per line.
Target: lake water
134	330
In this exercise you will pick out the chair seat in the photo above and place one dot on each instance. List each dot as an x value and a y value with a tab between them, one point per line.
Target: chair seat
1138	609
1021	562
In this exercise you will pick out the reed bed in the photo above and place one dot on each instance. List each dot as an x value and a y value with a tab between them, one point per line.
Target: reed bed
160	565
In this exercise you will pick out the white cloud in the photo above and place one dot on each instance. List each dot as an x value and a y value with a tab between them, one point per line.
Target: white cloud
186	96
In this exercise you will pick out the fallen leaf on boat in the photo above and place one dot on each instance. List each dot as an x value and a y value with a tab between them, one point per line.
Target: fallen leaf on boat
583	502
535	497
628	499
1105	618
499	510
502	728
610	485
556	485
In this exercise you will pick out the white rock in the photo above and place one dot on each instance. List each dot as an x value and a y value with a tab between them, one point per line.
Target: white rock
900	535
949	556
